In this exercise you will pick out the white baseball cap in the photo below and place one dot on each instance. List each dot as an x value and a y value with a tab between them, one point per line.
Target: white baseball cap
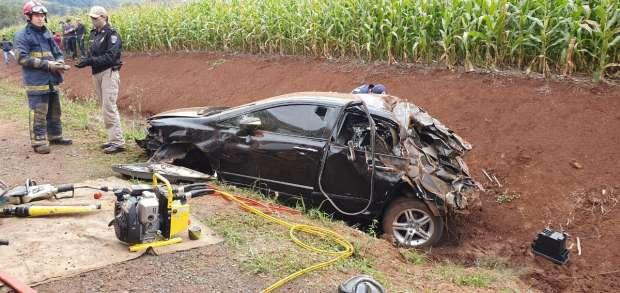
97	11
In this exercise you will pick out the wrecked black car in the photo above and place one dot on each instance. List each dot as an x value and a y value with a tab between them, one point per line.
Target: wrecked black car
371	156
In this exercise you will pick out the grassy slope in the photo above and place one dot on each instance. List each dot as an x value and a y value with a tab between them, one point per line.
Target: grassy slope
264	248
81	120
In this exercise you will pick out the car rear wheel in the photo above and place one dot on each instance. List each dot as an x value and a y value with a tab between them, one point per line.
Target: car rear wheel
408	222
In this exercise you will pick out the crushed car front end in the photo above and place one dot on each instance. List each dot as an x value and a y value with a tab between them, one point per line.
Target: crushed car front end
181	136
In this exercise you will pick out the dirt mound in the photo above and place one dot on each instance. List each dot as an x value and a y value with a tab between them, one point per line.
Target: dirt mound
545	142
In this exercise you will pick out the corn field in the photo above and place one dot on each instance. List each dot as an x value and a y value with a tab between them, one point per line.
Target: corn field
562	36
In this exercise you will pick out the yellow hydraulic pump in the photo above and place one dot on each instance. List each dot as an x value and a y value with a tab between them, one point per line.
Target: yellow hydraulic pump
152	216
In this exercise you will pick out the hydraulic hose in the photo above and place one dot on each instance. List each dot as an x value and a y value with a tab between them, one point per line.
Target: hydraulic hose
373	131
338	255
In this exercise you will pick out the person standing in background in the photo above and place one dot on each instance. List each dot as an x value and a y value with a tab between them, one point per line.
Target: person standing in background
79	32
7	50
69	35
63	44
57	39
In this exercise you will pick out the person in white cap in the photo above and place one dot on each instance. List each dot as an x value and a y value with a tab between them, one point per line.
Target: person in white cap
104	58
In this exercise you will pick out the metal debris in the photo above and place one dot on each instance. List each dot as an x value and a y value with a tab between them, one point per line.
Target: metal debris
434	151
487	175
576	165
171	172
497	181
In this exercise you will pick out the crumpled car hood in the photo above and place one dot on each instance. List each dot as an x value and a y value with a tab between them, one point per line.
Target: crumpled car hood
183	112
189	112
434	152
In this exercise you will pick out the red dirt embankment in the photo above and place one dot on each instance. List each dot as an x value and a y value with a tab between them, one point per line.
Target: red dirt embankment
554	143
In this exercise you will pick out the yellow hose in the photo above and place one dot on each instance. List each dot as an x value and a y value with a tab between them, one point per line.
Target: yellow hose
341	254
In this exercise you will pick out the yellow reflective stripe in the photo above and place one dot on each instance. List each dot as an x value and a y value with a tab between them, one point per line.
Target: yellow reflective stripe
45	87
41	54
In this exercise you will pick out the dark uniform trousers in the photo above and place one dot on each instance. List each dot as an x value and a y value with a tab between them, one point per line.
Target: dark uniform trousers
45	114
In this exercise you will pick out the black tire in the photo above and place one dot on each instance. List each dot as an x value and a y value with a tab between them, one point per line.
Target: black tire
421	232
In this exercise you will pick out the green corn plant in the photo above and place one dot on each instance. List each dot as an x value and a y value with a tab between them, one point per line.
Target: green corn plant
605	31
544	36
549	28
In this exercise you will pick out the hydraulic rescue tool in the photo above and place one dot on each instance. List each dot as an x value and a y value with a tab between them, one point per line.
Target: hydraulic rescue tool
18	198
31	191
23	211
151	216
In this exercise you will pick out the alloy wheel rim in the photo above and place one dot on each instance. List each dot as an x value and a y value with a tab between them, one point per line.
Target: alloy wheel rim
412	227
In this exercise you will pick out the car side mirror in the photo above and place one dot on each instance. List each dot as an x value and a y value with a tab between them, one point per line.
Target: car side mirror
351	155
249	124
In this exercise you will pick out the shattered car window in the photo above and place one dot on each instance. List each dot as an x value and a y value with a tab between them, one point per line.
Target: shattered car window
356	131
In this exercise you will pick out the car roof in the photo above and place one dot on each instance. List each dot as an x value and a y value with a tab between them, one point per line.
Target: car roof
374	102
324	97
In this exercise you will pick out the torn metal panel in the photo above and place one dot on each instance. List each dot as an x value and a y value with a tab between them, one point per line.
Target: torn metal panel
171	172
169	152
434	151
190	112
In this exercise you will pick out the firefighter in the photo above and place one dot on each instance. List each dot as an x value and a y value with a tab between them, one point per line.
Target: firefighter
42	67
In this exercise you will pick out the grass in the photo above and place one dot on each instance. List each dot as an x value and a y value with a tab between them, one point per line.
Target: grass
414	256
463	277
280	263
507	197
233	229
373	229
263	248
487	272
79	119
252	239
361	263
317	214
11	106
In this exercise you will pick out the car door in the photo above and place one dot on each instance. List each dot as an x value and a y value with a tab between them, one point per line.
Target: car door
237	162
288	147
283	154
347	175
